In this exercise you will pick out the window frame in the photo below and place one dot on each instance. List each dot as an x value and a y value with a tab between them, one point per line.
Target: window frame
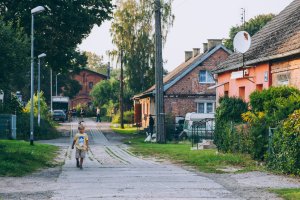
205	107
207	74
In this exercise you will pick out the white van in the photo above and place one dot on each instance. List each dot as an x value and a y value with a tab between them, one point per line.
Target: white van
208	123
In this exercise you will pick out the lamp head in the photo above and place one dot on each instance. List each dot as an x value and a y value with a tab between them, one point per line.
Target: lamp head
41	55
37	9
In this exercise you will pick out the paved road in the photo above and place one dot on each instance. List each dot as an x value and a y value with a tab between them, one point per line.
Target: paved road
111	172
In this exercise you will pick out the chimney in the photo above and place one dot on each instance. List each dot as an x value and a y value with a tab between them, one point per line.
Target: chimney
196	52
188	55
205	47
212	43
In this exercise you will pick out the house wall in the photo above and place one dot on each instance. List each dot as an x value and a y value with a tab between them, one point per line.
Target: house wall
190	83
236	87
84	78
147	107
286	70
179	104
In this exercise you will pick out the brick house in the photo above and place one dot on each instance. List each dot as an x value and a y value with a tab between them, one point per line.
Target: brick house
186	87
87	79
272	60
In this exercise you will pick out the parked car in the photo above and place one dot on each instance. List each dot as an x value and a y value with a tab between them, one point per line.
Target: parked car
205	127
59	115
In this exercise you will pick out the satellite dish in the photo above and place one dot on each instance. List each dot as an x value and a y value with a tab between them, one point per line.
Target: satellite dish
242	41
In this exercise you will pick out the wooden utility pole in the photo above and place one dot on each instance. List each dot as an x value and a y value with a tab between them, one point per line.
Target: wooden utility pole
159	91
121	92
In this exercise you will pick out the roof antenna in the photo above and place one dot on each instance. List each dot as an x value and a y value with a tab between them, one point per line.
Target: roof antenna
243	16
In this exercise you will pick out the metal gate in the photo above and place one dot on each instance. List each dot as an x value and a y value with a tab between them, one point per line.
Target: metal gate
203	130
8	126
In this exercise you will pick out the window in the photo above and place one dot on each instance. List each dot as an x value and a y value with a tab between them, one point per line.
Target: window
242	93
205	77
91	84
201	107
209	107
205	107
259	87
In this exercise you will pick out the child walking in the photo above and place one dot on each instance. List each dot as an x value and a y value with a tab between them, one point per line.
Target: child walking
81	141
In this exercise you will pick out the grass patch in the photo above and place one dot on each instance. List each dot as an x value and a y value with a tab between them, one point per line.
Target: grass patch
126	131
288	194
18	158
205	160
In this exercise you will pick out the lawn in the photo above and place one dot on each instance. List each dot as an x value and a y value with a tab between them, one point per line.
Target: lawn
18	158
126	131
288	194
205	160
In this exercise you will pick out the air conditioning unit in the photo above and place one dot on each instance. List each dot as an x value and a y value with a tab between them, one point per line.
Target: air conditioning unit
246	72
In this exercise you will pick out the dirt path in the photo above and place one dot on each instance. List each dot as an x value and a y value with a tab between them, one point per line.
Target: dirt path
112	172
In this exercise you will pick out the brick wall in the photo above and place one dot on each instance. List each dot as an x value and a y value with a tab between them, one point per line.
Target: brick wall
86	79
180	106
190	83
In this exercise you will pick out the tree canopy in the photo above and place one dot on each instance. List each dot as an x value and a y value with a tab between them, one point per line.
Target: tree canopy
133	33
60	28
14	58
95	62
252	27
58	31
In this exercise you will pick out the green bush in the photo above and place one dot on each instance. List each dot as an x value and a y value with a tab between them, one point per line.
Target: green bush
231	109
268	109
45	131
127	117
276	102
284	154
228	115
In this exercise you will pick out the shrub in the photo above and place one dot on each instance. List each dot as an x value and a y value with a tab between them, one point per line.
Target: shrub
285	152
45	131
276	102
230	109
268	109
228	114
127	117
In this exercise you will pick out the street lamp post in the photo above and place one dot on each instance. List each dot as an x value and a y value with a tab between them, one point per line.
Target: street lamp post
39	87
34	11
51	105
56	83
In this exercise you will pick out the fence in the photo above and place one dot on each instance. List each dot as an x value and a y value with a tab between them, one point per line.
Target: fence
270	140
202	130
8	124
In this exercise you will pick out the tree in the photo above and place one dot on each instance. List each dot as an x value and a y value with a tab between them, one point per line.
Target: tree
105	91
252	27
132	32
95	62
44	108
59	29
14	60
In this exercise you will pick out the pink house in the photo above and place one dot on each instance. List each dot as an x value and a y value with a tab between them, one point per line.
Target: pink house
272	60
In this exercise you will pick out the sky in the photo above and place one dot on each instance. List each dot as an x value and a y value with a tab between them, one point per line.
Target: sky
195	22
